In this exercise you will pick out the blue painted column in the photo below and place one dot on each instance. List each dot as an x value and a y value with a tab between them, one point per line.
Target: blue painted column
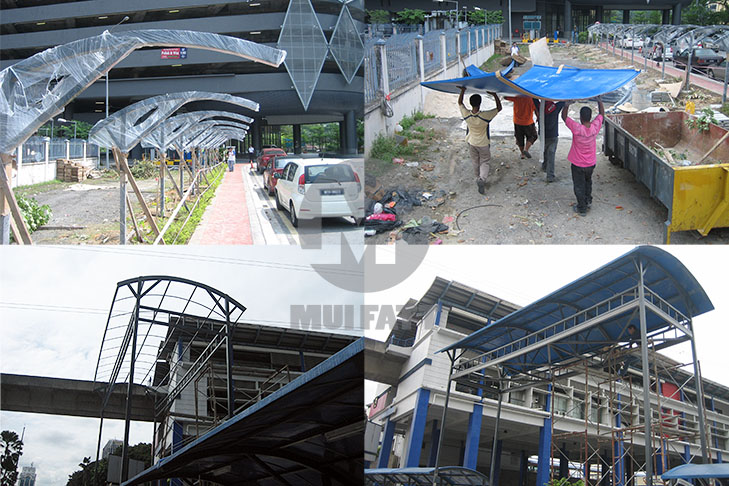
386	447
619	465
545	441
434	436
417	429
176	445
470	456
497	469
523	464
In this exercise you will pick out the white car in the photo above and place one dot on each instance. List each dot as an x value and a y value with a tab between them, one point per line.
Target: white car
629	43
310	188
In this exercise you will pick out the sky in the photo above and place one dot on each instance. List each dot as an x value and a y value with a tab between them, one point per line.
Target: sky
54	303
522	274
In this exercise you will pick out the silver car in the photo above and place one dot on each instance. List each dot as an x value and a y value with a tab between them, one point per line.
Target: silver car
718	72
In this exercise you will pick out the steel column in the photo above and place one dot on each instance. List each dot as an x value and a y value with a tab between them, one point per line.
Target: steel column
443	417
699	399
229	359
386	447
128	412
470	457
495	445
544	465
646	379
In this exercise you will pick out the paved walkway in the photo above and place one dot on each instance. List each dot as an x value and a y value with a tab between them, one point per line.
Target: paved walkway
695	79
226	220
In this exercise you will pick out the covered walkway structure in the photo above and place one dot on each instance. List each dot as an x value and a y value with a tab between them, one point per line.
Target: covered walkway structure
588	327
308	432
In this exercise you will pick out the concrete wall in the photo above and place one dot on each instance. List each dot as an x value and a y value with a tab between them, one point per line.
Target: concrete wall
410	99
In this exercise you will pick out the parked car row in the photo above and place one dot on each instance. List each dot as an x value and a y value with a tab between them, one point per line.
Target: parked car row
309	188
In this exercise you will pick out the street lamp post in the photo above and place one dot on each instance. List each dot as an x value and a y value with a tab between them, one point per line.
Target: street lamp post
126	17
70	121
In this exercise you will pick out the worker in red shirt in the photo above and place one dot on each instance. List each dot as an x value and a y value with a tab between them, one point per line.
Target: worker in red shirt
524	130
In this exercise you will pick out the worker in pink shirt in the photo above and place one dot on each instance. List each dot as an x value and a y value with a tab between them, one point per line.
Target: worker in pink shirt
583	152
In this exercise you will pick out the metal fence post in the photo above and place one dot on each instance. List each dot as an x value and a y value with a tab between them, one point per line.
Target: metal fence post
421	67
443	52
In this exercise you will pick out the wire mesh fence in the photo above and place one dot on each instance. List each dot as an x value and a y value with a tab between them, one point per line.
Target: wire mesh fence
432	55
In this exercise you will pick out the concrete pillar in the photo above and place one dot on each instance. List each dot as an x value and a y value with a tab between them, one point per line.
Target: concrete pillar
665	16
676	20
20	166
46	158
545	441
350	128
342	137
470	456
443	51
458	44
564	462
85	146
297	139
386	447
382	74
68	149
497	467
523	465
600	13
567	18
257	129
417	429
434	437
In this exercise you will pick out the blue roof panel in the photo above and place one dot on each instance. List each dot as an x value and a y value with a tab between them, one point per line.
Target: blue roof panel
665	276
690	471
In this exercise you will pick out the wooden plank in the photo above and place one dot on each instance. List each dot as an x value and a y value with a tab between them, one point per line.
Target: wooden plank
8	201
134	220
122	161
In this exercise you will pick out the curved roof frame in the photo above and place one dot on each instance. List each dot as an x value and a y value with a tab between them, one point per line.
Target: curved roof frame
36	89
162	137
128	126
606	302
149	306
202	132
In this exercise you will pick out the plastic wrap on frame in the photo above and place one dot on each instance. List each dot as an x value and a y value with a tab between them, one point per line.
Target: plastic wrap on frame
200	132
224	135
162	137
126	128
34	90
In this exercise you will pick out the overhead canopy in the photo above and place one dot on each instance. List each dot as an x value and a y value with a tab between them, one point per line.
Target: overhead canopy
693	471
163	136
551	83
423	476
598	292
36	89
308	432
128	126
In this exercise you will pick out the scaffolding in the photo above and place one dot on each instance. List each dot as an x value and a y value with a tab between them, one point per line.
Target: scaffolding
582	331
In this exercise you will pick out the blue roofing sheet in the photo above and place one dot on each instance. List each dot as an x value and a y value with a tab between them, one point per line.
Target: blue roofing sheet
665	276
293	434
552	83
417	476
690	471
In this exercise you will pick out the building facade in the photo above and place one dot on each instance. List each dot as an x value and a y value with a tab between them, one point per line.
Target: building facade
595	417
111	446
320	81
27	476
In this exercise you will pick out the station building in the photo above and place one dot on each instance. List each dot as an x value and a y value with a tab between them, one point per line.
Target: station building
544	16
583	415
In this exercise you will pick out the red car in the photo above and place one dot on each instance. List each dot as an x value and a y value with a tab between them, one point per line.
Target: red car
275	167
265	158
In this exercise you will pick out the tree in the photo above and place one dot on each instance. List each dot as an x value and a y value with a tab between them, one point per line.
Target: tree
477	17
378	16
698	13
410	16
494	17
91	475
11	448
645	17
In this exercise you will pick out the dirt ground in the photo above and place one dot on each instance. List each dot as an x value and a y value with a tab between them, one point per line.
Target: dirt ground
85	212
519	205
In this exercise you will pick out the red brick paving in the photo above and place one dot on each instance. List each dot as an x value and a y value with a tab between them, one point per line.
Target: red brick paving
226	220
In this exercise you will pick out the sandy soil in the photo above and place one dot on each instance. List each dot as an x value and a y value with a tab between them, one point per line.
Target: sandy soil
519	205
86	212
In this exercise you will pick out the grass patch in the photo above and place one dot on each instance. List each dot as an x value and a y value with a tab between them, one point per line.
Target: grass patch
179	235
492	63
40	188
383	150
725	109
